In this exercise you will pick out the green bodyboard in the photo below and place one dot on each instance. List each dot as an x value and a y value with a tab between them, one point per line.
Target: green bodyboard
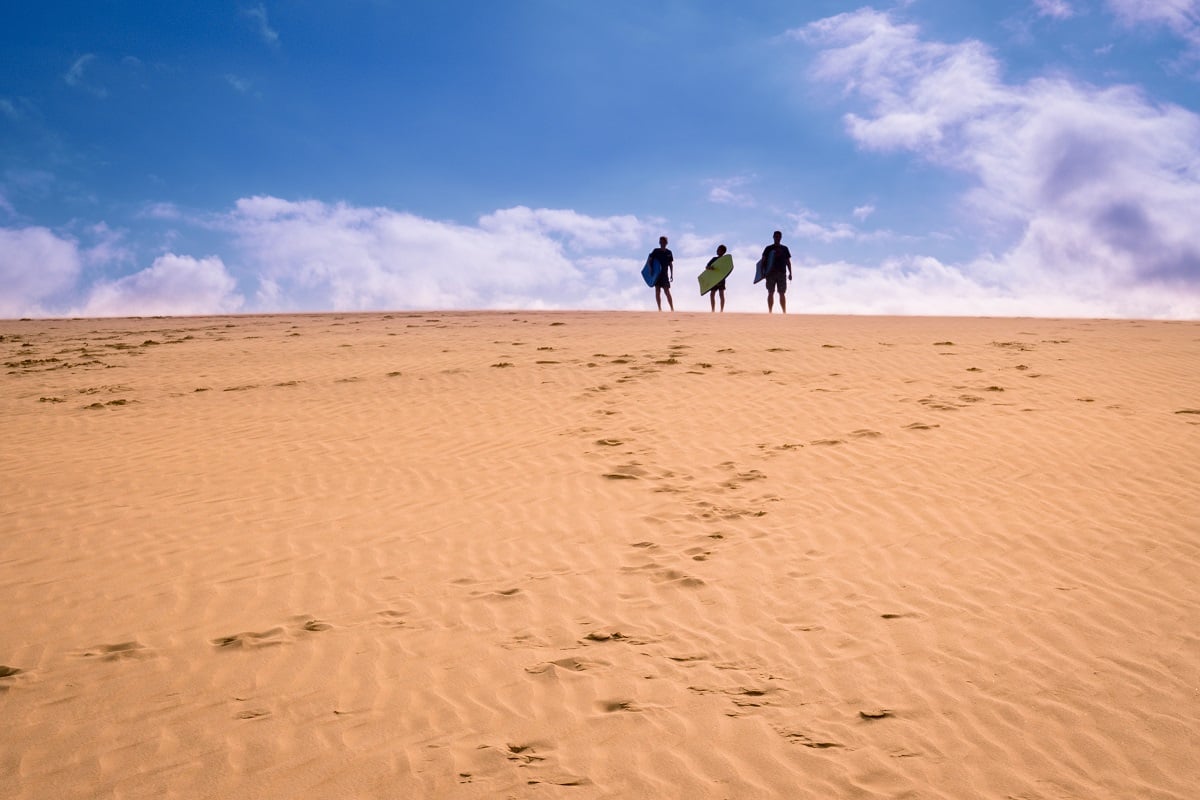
719	272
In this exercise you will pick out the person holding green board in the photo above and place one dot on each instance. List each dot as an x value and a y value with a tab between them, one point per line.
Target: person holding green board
720	287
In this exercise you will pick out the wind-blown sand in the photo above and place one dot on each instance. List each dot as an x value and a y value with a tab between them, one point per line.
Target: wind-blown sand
599	555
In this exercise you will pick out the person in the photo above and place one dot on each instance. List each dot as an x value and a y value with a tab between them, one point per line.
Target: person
777	266
720	287
663	284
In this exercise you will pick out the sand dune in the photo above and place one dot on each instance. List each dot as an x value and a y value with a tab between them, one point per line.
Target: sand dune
599	555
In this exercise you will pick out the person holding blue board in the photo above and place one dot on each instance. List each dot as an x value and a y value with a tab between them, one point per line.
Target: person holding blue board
658	272
777	270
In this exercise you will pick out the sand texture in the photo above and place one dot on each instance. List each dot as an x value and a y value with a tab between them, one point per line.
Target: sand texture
588	555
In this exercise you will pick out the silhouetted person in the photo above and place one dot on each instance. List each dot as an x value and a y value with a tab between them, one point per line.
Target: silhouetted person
720	287
662	284
777	270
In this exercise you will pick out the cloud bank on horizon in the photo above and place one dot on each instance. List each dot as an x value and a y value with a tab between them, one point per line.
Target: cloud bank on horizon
1028	164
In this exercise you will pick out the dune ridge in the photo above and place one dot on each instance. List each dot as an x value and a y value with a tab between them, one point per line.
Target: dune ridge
517	554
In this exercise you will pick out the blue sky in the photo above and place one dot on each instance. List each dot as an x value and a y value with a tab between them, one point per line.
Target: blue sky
1027	157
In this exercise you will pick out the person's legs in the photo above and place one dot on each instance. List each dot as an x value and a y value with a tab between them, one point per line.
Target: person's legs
712	299
670	302
783	302
770	300
658	296
722	299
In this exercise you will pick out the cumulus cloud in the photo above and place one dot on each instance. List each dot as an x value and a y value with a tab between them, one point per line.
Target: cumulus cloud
1097	187
313	255
36	266
1181	17
807	227
161	211
1055	9
728	191
173	285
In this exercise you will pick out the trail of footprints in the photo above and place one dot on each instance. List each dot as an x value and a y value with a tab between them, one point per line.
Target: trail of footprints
756	690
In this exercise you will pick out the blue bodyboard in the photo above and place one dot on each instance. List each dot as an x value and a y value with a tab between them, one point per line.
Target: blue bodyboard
651	271
761	270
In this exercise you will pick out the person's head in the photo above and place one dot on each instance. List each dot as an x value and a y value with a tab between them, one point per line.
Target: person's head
662	241
777	235
720	249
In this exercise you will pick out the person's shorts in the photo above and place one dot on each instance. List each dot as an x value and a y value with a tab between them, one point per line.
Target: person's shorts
663	281
777	282
720	287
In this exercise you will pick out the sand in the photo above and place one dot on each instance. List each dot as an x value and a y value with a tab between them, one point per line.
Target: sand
585	555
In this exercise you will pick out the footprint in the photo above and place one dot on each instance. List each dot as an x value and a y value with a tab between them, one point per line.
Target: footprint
678	578
499	594
118	652
10	673
250	639
391	619
567	664
561	780
876	713
626	472
804	739
252	713
613	706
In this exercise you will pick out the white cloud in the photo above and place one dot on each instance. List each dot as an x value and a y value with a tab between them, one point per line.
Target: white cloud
258	15
108	247
807	227
1182	17
728	191
1056	9
75	76
173	285
35	266
1097	188
919	89
163	211
862	212
240	85
313	255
